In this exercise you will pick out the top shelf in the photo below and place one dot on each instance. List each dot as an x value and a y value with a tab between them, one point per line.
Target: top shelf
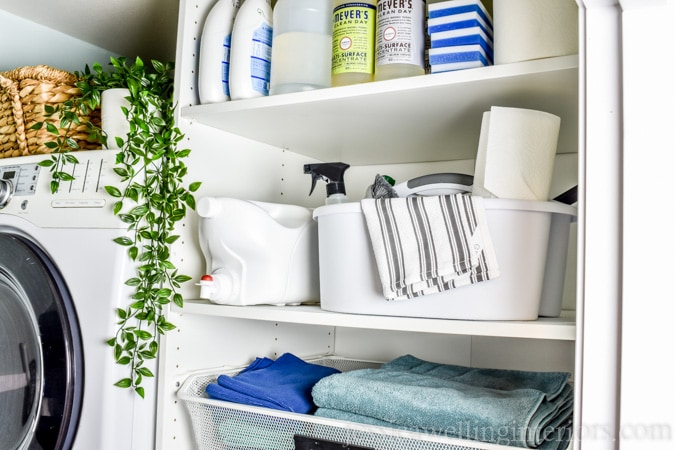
434	117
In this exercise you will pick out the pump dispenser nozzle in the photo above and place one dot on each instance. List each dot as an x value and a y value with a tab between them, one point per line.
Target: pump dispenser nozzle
333	174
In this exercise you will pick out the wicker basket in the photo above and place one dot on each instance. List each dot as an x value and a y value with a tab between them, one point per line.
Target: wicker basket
24	93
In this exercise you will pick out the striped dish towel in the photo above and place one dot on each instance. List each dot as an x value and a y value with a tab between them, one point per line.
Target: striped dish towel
429	244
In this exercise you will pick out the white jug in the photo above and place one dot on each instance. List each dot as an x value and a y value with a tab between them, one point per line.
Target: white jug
257	252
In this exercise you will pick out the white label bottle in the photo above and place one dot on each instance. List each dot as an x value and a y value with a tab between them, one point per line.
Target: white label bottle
353	42
251	54
301	46
400	38
214	52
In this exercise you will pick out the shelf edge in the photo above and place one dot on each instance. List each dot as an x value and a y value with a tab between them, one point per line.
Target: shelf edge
562	328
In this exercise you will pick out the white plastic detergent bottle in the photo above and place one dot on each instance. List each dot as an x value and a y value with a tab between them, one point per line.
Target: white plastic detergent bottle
400	38
214	52
301	46
251	54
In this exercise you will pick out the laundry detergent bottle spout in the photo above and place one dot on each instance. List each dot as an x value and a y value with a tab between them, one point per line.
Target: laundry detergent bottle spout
333	174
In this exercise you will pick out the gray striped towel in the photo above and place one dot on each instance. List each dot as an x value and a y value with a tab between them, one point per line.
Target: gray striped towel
429	244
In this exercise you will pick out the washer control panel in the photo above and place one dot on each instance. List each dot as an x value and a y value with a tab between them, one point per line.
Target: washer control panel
82	202
22	177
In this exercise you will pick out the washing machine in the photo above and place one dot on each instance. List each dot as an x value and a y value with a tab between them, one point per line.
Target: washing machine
61	279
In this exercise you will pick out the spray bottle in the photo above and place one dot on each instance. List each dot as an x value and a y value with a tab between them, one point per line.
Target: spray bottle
333	174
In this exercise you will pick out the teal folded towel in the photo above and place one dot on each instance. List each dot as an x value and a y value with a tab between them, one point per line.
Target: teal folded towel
516	408
558	440
285	384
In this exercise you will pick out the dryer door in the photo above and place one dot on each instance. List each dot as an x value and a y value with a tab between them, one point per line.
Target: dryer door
41	359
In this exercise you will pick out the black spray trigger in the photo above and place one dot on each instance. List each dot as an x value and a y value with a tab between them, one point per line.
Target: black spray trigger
332	173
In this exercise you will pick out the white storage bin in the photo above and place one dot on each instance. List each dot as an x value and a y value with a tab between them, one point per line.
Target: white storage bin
223	425
520	232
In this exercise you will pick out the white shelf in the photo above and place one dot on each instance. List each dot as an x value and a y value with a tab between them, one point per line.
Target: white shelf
561	328
433	117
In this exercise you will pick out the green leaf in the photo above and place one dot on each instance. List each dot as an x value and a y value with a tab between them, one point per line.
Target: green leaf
113	191
139	210
137	305
140	391
117	352
142	334
133	281
123	240
124	383
164	292
182	278
145	372
133	253
193	187
46	163
52	128
122	172
178	300
63	176
166	326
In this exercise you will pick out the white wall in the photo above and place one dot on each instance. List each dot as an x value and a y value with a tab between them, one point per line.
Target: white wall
25	43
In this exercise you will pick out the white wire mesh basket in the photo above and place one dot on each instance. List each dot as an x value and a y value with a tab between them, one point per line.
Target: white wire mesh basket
220	425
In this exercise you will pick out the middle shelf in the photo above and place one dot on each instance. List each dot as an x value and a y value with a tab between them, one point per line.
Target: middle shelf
560	328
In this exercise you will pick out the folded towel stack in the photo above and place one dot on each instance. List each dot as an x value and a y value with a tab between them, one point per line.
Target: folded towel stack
516	408
461	35
285	384
429	244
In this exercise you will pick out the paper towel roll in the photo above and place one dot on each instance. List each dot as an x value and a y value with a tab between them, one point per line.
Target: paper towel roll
113	121
533	29
516	153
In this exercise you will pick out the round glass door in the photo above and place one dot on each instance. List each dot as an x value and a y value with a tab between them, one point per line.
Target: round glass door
41	361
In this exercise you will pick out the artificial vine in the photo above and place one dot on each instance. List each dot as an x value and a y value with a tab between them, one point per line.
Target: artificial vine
151	201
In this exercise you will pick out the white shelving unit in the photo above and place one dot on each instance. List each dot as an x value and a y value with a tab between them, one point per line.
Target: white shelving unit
432	120
618	116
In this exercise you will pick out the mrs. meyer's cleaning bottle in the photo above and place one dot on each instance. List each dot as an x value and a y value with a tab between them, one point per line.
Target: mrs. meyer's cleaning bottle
353	42
399	38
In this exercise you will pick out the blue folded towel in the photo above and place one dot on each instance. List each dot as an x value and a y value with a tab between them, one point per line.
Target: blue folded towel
516	408
285	384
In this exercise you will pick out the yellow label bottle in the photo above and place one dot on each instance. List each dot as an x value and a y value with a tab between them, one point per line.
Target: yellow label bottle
353	56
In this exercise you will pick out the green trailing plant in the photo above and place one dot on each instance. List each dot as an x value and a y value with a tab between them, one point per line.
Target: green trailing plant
151	197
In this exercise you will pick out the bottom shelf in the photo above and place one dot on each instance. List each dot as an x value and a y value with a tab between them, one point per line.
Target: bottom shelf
222	425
